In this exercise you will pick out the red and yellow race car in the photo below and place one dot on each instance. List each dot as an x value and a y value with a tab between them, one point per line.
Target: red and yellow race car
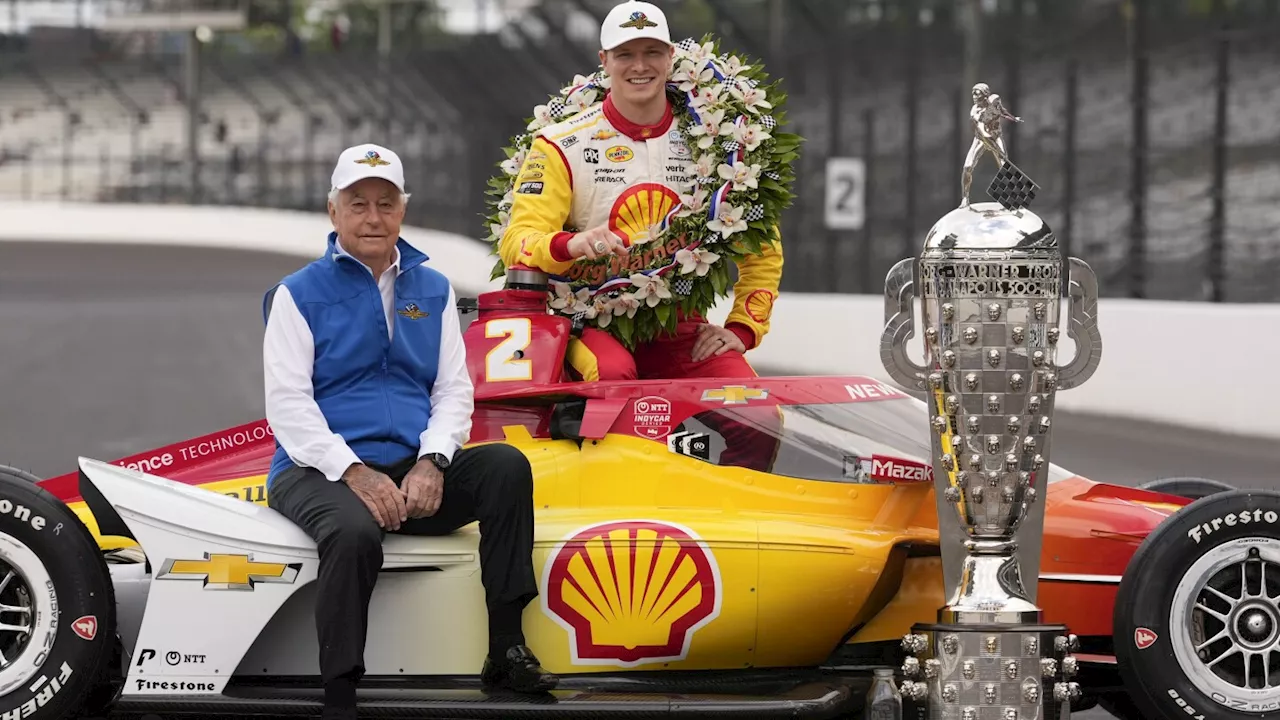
749	548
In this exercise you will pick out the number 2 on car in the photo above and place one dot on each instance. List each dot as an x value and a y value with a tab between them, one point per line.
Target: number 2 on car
506	361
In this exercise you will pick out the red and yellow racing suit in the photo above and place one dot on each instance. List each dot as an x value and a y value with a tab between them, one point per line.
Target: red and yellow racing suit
599	167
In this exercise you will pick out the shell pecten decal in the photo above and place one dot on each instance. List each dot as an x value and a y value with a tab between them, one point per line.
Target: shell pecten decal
642	213
631	592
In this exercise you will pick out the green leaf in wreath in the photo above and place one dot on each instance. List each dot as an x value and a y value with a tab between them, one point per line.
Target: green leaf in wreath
663	312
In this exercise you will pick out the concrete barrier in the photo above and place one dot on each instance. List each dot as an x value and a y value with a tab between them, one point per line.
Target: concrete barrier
1181	363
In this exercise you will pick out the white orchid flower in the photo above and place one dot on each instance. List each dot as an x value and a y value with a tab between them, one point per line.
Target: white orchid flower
507	200
578	81
706	96
705	167
728	220
693	203
581	99
689	78
733	66
563	296
512	165
626	304
712	126
750	136
582	302
500	227
699	53
752	97
743	175
541	118
696	261
602	311
652	289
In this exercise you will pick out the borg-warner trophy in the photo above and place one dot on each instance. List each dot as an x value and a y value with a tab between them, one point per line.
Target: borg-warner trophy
990	279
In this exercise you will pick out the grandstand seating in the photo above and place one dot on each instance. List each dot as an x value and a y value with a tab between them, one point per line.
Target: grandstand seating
115	128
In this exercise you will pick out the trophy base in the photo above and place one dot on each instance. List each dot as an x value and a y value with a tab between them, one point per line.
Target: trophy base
998	671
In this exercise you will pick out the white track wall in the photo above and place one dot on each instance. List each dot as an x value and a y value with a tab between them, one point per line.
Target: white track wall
1181	363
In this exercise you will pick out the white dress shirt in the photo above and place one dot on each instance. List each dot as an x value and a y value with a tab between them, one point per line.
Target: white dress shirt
295	418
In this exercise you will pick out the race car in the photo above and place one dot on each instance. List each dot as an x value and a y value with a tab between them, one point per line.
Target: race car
705	547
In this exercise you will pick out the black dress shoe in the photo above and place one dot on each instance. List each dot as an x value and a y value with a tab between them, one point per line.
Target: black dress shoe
518	670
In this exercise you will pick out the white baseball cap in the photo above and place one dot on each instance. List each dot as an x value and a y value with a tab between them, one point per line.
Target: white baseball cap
368	161
633	20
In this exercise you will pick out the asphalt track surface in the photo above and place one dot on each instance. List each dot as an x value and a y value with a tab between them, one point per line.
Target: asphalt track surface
110	350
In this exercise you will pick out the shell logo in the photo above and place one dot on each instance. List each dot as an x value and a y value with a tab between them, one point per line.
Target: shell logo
760	305
619	153
643	211
631	592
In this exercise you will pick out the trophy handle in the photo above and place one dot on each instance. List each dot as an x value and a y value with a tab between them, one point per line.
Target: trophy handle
899	306
1083	327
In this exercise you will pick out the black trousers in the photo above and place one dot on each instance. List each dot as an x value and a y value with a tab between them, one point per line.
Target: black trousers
489	483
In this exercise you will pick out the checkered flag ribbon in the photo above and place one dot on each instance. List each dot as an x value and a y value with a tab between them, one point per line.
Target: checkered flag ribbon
768	122
556	106
730	146
1012	188
772	175
521	138
687	44
754	214
682	286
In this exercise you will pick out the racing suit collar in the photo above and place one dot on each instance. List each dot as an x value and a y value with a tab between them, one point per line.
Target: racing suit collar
632	130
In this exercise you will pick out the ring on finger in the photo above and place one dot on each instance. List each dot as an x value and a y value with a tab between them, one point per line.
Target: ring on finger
600	246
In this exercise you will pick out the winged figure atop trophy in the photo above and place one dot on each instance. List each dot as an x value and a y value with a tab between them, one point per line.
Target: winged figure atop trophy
985	115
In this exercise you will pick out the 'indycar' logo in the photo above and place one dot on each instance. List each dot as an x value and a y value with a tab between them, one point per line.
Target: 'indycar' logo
229	572
631	592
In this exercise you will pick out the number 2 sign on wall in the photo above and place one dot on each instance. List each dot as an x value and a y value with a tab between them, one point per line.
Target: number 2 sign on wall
845	207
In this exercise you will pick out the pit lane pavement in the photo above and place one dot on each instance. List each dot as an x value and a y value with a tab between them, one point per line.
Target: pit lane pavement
110	350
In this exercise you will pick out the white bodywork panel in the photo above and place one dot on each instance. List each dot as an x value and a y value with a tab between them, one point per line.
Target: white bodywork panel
223	569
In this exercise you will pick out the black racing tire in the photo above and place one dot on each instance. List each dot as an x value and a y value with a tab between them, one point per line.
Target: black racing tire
1214	540
58	669
1187	487
7	471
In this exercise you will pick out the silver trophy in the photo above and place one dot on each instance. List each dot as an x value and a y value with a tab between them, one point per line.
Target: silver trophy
991	279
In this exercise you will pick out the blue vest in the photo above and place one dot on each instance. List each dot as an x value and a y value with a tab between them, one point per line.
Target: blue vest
374	391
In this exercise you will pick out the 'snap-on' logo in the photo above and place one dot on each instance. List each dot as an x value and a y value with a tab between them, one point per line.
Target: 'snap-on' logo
631	592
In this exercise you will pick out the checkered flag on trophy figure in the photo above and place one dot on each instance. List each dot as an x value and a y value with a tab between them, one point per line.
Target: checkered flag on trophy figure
1012	188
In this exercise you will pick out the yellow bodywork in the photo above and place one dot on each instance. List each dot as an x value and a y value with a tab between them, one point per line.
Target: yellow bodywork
679	563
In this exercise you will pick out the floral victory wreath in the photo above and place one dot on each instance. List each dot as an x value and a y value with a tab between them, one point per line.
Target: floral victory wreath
742	182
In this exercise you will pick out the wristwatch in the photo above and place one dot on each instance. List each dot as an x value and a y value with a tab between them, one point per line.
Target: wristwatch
437	459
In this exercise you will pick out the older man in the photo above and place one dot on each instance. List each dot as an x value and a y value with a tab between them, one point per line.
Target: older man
368	394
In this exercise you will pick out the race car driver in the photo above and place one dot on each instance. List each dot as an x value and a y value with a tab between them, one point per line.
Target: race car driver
578	171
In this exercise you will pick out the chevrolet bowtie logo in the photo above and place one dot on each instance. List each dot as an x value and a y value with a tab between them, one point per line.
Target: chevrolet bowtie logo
412	312
229	572
735	394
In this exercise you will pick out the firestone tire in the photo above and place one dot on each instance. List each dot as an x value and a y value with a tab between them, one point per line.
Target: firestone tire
51	567
1188	487
1198	557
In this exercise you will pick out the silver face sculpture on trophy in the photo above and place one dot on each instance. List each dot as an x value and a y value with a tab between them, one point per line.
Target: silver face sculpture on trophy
990	279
